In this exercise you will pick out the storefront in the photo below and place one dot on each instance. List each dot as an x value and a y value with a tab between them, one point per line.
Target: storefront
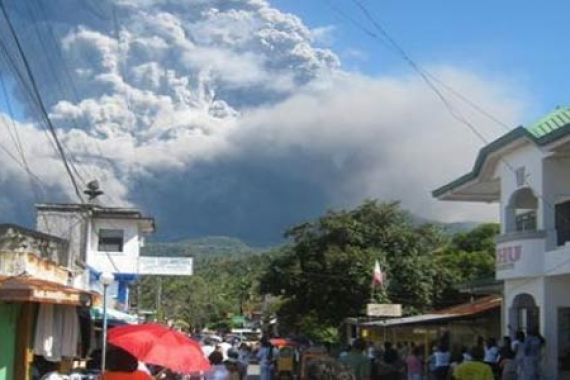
463	324
38	317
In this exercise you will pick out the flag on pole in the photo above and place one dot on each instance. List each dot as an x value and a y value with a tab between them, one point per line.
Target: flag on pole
377	275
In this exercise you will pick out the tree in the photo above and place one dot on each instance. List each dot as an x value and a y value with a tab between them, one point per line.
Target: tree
326	273
221	286
468	257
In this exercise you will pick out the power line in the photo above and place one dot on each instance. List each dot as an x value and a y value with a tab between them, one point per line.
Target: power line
40	102
59	58
54	74
458	116
388	42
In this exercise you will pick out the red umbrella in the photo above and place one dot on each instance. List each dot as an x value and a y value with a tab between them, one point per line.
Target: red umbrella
159	345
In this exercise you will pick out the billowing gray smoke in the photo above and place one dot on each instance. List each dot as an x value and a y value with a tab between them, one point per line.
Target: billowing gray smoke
225	117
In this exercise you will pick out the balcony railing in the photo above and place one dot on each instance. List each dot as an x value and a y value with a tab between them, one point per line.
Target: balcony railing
520	235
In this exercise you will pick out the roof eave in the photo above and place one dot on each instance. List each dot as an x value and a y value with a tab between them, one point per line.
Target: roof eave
446	192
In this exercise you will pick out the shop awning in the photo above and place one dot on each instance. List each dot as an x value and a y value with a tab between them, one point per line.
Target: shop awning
466	310
30	289
115	315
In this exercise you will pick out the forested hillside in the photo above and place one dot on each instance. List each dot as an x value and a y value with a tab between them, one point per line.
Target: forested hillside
324	271
206	247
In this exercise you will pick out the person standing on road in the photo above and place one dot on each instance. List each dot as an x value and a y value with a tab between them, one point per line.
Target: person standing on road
532	350
442	360
265	357
507	363
475	369
357	360
218	371
414	364
518	348
492	354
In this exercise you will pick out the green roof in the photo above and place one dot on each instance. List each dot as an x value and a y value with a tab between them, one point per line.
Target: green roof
557	119
550	128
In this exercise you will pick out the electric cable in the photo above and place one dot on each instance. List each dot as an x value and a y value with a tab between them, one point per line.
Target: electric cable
458	116
40	102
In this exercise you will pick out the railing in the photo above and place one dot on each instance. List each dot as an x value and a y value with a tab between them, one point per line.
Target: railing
520	235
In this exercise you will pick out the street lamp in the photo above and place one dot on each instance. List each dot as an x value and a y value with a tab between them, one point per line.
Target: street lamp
106	280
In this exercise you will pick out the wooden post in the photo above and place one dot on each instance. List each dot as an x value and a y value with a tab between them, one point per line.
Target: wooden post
24	352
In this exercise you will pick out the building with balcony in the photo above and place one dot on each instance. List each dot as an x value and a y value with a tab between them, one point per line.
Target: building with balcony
527	172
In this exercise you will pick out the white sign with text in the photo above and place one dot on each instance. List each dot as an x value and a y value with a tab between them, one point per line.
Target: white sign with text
383	310
166	266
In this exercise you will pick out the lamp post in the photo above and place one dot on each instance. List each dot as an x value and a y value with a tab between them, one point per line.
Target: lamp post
106	280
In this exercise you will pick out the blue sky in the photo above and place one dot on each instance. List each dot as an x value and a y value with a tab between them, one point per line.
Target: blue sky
235	142
521	42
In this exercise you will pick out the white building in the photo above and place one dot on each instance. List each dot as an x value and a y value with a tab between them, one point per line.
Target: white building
101	239
527	171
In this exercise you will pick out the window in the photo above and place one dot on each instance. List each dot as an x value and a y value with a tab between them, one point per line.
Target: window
525	221
521	211
562	212
110	240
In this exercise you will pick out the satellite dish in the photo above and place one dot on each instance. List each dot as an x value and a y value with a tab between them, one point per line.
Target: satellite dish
93	190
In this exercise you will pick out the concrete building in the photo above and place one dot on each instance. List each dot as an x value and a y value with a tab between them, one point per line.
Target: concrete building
100	239
106	239
34	276
527	172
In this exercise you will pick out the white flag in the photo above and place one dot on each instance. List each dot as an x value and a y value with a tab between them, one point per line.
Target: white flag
377	275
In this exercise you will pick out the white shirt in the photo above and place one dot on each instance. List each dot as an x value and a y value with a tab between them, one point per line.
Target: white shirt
491	354
518	348
225	346
54	376
208	349
441	358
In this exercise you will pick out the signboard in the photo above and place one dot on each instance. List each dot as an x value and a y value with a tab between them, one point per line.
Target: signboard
383	310
507	257
166	266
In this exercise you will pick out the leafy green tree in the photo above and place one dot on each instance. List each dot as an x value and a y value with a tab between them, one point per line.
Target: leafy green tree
221	286
468	257
326	273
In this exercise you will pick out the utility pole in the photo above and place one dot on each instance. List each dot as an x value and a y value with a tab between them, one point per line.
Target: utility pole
159	298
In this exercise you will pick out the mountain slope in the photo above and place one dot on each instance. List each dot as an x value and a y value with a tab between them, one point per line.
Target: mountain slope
199	248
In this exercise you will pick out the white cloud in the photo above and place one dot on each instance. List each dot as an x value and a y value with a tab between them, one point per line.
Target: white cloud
188	83
391	138
323	35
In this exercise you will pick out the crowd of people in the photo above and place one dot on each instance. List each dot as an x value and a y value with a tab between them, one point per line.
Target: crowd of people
513	359
518	358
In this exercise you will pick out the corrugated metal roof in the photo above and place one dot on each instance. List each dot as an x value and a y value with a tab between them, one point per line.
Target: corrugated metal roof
557	119
476	307
552	127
